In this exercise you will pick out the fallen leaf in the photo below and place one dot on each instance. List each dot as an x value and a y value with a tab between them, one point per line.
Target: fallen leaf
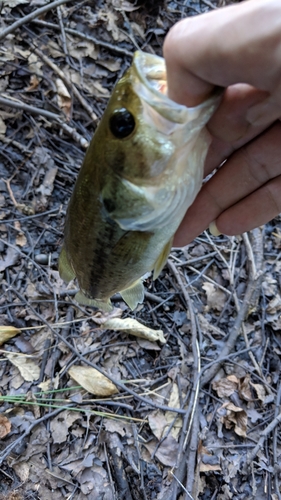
234	416
10	259
260	390
225	387
244	388
7	332
29	369
64	98
5	426
92	380
157	423
216	298
60	424
133	327
167	451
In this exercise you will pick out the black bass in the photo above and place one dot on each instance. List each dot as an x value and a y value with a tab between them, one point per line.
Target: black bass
142	171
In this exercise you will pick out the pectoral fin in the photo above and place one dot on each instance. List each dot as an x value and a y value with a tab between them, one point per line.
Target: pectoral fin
162	259
85	301
65	268
133	295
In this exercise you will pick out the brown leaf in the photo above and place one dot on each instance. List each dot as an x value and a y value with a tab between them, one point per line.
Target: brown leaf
226	386
92	380
5	426
260	390
244	388
237	416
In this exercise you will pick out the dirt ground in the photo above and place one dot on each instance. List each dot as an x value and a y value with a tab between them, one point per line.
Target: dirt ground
190	410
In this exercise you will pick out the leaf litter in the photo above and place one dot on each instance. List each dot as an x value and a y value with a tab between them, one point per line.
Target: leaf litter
154	436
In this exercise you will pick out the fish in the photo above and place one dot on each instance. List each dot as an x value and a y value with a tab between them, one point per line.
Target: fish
141	172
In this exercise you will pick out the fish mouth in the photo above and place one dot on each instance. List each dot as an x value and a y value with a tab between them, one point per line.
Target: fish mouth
150	84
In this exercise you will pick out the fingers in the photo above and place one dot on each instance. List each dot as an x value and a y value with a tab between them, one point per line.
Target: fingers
239	43
229	122
229	126
255	210
254	167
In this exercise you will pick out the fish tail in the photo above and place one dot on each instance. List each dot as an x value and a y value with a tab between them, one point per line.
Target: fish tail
86	301
134	294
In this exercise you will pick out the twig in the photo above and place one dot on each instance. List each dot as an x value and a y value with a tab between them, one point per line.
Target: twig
30	17
242	313
90	38
264	434
63	38
15	443
67	82
274	445
119	384
47	114
188	422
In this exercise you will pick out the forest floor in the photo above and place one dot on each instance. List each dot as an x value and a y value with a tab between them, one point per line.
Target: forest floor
192	415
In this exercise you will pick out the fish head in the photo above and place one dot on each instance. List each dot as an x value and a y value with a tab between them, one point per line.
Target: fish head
150	149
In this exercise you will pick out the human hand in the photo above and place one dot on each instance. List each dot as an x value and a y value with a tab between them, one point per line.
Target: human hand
241	43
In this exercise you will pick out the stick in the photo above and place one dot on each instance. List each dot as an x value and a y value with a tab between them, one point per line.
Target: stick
29	17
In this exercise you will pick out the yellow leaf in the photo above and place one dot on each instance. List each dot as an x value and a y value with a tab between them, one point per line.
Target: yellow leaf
29	369
133	327
92	380
7	332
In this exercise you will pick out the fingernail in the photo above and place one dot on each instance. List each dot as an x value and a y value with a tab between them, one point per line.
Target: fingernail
213	229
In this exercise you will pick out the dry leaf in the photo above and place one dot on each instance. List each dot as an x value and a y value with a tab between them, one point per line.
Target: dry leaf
133	327
64	98
7	332
260	390
157	423
92	380
244	388
29	369
167	452
174	402
226	386
5	426
237	416
10	259
20	238
216	298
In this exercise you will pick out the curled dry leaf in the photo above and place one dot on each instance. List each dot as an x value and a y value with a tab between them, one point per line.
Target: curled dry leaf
235	416
260	390
216	298
225	387
29	369
92	380
7	332
133	327
5	426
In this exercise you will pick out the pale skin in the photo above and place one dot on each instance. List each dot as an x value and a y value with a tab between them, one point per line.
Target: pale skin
238	48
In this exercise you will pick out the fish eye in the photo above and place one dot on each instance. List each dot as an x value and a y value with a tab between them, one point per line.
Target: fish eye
122	123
